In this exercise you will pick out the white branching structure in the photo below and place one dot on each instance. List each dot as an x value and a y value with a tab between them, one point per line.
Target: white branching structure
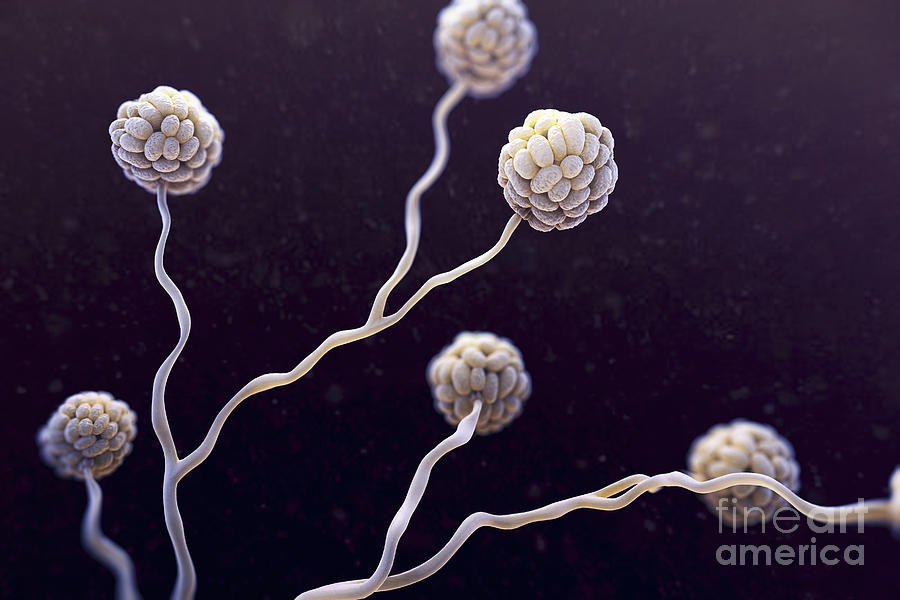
177	467
555	170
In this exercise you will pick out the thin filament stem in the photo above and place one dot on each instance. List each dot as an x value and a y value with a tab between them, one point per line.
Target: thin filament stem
186	581
413	213
103	549
158	404
872	511
365	588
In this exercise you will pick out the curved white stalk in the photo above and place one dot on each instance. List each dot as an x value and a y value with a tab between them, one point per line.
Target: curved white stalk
413	214
103	549
186	580
365	588
869	512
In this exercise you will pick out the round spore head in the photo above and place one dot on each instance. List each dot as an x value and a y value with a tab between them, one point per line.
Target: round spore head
89	431
485	44
479	366
744	447
557	168
166	136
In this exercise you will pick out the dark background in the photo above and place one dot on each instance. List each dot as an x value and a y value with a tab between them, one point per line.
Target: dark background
746	266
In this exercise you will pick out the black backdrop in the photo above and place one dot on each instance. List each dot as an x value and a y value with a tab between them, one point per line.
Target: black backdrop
747	266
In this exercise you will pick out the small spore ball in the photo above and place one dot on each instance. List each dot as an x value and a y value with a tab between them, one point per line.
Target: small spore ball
89	431
479	366
744	447
485	44
557	168
166	136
